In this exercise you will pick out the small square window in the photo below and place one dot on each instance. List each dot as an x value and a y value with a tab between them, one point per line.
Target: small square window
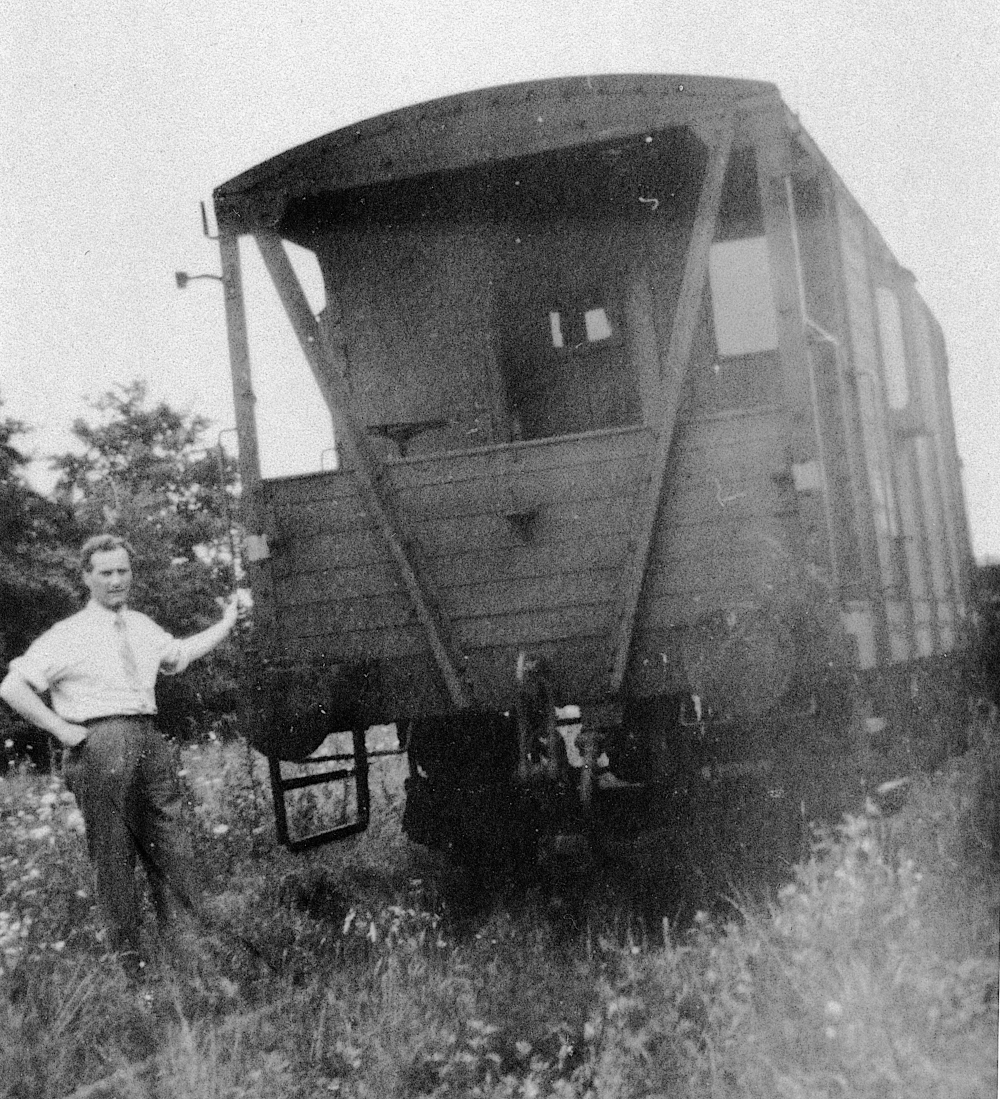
597	325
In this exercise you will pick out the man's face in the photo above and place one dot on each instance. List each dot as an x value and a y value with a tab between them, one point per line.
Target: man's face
109	578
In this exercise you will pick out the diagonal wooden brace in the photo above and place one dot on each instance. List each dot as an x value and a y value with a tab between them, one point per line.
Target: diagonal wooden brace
672	375
369	469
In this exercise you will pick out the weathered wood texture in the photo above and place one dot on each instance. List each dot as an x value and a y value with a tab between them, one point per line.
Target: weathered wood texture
719	542
900	379
505	582
823	461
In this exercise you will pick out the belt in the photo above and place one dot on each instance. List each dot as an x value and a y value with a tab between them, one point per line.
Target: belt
92	721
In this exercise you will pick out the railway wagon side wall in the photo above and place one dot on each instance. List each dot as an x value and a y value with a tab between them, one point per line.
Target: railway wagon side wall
898	376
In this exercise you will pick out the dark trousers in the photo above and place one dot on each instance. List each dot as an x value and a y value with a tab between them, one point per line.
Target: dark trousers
125	782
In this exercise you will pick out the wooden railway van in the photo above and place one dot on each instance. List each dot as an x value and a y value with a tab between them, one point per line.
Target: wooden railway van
647	485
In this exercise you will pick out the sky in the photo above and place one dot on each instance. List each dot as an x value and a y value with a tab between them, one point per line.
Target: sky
118	119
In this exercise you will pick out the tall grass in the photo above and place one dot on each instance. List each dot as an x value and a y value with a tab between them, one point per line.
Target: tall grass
342	972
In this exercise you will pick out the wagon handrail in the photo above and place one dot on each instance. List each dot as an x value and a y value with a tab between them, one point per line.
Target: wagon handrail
672	373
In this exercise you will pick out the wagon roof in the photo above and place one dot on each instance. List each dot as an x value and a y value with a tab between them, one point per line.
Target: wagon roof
487	124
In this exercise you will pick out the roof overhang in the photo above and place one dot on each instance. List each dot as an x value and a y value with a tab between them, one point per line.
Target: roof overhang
475	127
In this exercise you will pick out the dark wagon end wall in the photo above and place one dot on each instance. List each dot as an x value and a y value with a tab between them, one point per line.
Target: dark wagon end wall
626	387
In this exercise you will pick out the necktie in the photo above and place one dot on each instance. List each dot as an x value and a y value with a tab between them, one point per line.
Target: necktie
127	653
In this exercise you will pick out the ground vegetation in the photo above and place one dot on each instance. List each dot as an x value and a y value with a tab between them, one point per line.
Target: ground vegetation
873	972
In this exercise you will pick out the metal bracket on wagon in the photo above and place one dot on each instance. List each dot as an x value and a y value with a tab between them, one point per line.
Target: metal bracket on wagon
557	744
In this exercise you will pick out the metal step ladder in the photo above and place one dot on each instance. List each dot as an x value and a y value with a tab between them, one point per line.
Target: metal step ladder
347	767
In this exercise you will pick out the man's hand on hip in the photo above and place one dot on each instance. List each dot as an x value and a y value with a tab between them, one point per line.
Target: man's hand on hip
70	735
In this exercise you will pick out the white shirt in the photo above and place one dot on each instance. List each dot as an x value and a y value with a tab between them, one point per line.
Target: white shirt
80	661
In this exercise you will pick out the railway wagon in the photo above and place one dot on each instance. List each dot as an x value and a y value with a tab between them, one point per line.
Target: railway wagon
647	495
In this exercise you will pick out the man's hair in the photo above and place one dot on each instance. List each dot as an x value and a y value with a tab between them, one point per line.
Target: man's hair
101	543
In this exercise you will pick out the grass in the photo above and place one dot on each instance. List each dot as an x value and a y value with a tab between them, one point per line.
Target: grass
342	971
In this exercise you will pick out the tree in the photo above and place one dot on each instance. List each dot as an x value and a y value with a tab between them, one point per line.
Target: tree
148	474
37	571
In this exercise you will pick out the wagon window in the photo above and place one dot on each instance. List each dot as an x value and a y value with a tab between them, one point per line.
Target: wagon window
575	328
742	302
597	325
564	360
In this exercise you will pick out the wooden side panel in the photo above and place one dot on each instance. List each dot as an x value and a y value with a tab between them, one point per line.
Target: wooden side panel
940	484
721	537
866	366
523	546
855	556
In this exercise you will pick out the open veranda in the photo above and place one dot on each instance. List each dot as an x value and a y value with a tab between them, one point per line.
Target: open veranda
349	971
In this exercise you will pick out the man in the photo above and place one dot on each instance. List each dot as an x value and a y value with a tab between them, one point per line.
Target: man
100	666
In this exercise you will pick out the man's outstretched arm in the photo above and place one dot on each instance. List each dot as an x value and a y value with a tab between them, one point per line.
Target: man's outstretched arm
198	644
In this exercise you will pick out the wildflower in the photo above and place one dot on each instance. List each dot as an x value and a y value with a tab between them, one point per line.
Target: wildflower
220	829
833	1009
8	743
42	832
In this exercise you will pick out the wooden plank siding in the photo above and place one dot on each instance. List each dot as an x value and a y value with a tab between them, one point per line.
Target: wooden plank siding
912	501
721	535
867	373
337	592
559	526
718	542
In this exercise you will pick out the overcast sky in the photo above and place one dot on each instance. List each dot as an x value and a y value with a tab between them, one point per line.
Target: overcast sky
117	119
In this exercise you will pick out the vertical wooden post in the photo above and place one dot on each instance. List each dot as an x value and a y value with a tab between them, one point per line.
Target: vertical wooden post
672	374
251	503
239	360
